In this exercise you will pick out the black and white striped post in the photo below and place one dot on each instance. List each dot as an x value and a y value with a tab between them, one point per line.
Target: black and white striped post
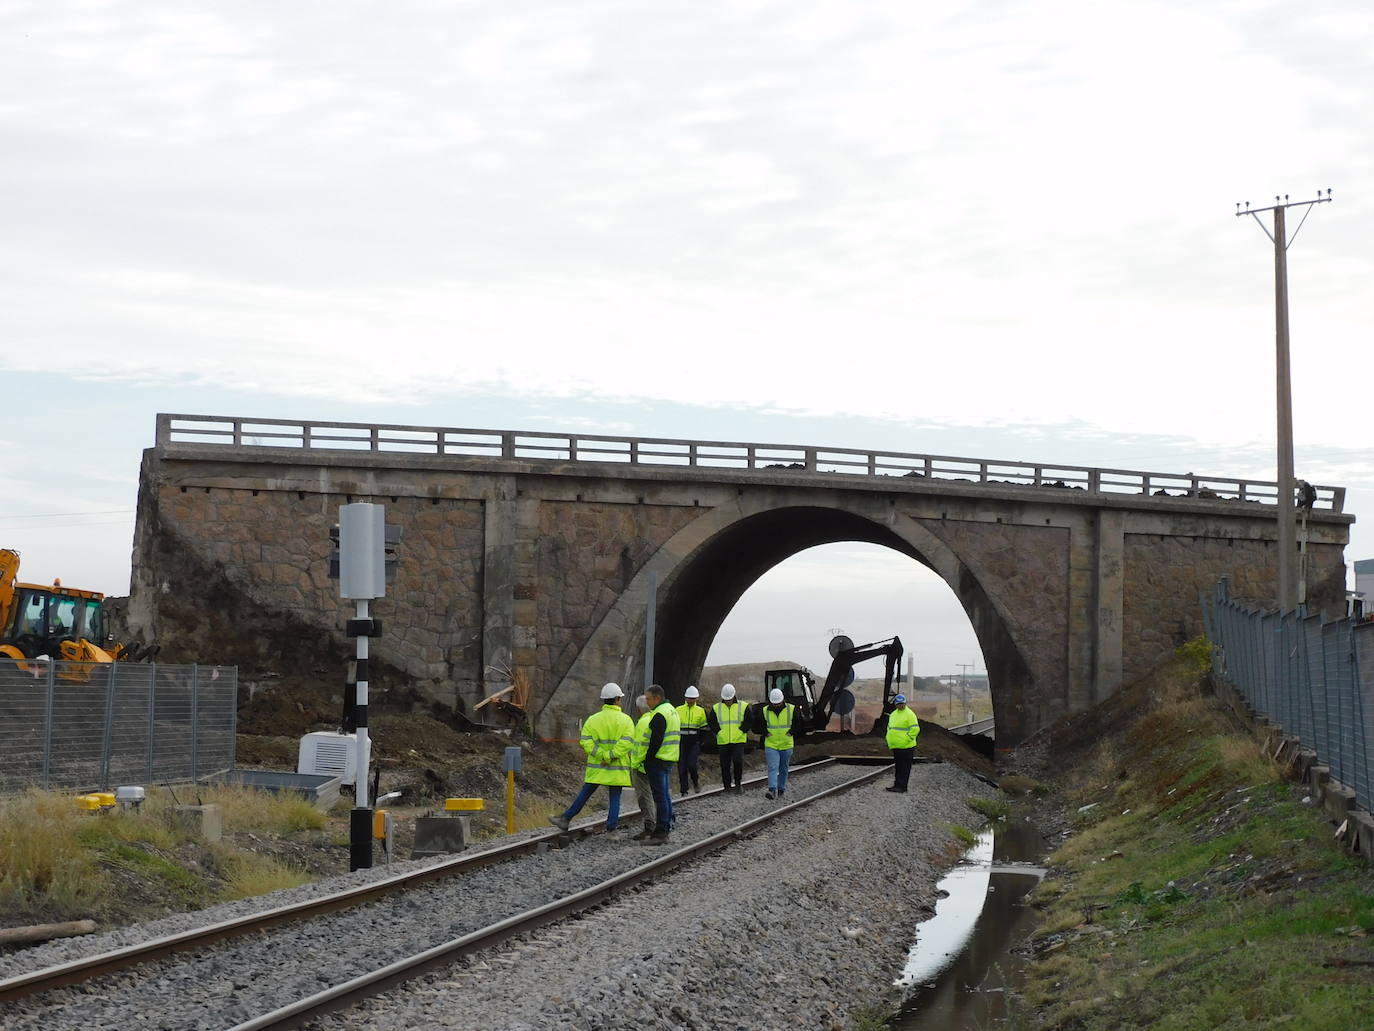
362	579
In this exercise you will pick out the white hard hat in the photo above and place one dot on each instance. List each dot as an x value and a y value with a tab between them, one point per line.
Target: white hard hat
727	692
775	695
692	692
610	692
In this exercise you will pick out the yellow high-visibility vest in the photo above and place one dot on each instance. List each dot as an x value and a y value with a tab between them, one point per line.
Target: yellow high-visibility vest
902	729
730	716
779	726
672	734
608	739
692	718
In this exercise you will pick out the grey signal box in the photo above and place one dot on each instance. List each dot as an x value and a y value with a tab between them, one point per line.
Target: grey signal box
362	551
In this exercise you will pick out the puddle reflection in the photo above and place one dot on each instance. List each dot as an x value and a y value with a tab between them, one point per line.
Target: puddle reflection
961	966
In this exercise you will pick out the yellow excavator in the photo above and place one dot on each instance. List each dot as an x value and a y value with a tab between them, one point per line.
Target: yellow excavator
65	623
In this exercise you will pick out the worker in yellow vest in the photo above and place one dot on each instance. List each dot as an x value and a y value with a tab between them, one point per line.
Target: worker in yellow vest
658	748
692	718
902	730
608	739
727	720
775	722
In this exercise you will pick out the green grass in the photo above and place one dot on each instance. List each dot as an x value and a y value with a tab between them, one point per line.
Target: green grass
961	834
247	875
995	808
1201	893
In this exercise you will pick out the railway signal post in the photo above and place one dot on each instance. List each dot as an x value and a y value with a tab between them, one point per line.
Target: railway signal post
362	579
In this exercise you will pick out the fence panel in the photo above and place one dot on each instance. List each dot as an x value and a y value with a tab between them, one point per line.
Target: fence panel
1314	679
83	726
1362	657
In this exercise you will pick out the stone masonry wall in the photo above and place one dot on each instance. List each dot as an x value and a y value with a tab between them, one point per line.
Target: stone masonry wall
230	565
1166	574
1026	569
588	553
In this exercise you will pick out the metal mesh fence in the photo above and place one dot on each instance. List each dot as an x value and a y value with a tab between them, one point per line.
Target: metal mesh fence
1314	679
91	726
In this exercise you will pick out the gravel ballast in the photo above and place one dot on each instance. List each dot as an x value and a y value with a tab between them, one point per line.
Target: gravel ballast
792	926
796	927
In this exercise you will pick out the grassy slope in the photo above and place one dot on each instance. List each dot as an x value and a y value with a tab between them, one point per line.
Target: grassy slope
1200	891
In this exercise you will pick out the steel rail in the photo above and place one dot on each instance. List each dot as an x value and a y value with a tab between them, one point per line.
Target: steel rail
80	970
367	985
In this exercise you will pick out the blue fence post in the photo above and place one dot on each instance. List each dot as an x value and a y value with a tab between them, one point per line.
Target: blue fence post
48	716
195	721
152	712
108	742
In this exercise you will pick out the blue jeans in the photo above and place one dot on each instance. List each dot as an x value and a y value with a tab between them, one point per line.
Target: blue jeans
612	809
778	759
663	798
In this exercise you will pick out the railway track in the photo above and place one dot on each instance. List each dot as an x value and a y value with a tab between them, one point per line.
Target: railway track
459	907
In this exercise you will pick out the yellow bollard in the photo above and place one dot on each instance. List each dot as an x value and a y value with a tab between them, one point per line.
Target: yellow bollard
510	762
510	801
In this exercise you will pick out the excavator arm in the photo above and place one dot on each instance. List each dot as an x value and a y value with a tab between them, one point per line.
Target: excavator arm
844	661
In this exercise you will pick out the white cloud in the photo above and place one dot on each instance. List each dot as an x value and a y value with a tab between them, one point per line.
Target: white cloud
984	215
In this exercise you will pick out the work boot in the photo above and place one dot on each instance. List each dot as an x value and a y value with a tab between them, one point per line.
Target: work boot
769	794
561	822
656	838
739	789
642	834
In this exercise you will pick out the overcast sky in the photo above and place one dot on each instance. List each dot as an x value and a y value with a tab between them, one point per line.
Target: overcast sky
998	229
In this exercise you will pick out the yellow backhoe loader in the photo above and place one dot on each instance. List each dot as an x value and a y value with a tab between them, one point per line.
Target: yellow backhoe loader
59	622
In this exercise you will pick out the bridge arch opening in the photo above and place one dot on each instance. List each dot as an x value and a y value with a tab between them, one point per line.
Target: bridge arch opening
869	593
695	600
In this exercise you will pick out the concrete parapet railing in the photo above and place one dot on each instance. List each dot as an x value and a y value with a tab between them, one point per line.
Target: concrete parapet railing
254	435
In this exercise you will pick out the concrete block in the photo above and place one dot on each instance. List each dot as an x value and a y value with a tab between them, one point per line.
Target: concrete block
441	835
1361	832
1338	801
1318	775
204	821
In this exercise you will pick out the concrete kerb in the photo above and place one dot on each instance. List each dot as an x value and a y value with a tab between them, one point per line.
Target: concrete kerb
1354	825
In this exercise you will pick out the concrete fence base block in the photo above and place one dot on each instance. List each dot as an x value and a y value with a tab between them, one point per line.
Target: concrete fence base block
204	821
1303	763
441	835
1360	832
1318	775
1338	801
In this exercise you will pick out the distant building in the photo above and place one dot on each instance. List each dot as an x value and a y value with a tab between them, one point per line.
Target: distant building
1360	601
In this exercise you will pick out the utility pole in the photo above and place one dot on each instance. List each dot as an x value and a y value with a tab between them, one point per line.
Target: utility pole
964	667
1288	535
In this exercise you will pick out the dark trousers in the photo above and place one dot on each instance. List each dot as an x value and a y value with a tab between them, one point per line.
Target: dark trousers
612	811
663	799
687	763
731	764
903	757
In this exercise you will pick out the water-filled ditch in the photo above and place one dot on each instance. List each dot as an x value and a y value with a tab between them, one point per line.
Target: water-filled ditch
961	968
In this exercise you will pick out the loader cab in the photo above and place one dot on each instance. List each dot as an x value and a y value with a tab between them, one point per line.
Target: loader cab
44	617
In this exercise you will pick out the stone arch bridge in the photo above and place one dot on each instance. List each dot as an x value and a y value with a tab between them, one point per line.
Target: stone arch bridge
532	553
